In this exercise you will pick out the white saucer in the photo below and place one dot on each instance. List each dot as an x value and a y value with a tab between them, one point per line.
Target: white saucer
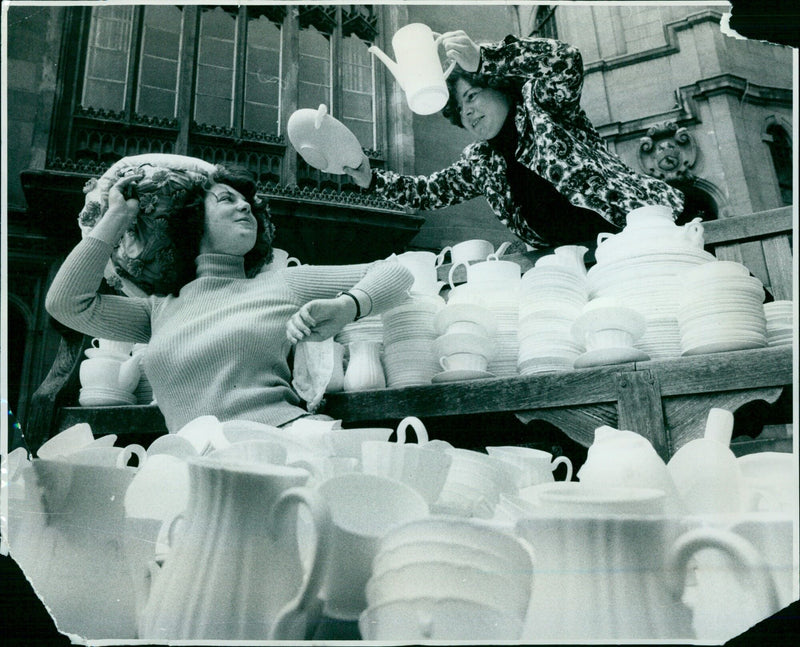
603	356
460	375
721	347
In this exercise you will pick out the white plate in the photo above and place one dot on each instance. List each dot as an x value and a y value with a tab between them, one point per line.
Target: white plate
603	356
460	375
720	347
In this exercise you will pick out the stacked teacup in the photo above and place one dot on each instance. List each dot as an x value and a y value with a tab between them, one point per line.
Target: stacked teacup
494	284
110	375
780	322
465	341
474	484
609	332
552	294
408	336
721	308
443	578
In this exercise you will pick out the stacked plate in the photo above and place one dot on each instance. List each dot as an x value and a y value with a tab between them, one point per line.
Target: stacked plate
104	396
551	298
780	322
649	282
721	309
408	336
366	329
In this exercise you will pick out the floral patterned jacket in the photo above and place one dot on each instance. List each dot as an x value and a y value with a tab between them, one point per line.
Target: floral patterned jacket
556	140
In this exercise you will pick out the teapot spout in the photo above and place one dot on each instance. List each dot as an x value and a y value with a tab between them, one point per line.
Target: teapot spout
394	68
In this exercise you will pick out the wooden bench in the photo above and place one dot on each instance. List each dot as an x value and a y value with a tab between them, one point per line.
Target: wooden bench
664	400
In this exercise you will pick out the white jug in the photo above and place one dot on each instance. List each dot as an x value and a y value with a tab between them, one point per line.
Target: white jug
364	369
418	69
640	561
235	572
423	266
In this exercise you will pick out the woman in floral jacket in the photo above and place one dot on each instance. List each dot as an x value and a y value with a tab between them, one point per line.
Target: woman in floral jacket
542	167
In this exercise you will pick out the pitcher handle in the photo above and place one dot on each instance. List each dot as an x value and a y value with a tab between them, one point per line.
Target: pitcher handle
742	552
418	427
441	255
562	460
293	616
452	271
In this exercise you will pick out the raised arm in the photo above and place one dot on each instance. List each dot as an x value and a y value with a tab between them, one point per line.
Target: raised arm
451	185
554	69
73	297
373	288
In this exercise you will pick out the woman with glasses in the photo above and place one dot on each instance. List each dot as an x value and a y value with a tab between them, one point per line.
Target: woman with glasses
541	165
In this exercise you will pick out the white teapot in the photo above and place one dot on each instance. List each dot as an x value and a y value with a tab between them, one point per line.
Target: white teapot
418	69
322	141
649	227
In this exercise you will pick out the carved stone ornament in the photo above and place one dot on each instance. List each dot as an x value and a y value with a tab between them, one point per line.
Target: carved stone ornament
668	152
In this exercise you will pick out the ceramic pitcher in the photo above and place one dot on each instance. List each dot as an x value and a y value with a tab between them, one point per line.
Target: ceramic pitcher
67	537
619	577
236	571
364	369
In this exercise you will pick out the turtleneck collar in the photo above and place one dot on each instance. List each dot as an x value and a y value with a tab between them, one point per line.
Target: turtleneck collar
220	266
505	142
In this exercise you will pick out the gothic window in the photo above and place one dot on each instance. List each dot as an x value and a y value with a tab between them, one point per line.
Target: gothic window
115	79
210	81
545	22
781	150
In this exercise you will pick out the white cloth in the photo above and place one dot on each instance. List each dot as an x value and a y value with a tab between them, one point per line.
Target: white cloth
313	369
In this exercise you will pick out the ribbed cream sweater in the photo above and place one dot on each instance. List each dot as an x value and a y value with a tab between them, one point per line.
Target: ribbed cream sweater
218	348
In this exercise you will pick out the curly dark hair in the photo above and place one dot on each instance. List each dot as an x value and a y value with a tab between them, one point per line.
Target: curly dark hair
508	86
187	226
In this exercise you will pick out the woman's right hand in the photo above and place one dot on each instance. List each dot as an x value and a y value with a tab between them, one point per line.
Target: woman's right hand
120	213
125	209
361	174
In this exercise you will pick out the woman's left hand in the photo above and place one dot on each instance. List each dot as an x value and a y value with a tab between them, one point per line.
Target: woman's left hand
460	48
320	319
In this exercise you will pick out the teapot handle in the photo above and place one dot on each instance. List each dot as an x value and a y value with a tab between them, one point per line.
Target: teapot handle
742	552
418	427
293	618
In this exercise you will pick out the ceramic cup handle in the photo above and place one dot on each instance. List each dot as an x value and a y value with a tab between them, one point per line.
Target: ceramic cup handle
452	271
132	450
565	461
296	611
748	560
443	254
416	425
292	261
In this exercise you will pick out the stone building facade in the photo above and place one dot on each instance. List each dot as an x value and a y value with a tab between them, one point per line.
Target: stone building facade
671	93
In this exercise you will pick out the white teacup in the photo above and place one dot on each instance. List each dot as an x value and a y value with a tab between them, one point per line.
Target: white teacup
281	259
418	466
67	441
364	507
464	362
608	338
536	466
113	347
108	456
468	250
